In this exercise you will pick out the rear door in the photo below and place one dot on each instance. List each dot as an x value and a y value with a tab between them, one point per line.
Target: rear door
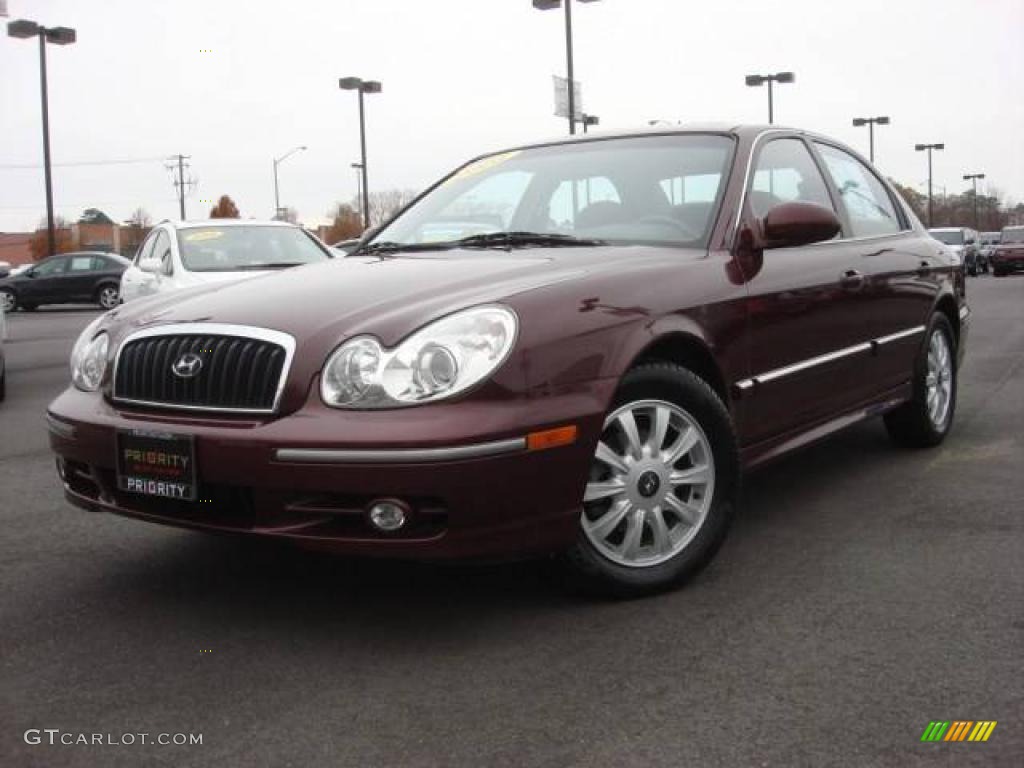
901	265
808	307
79	277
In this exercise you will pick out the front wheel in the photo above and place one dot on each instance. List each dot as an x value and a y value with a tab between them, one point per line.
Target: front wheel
927	417
661	487
8	301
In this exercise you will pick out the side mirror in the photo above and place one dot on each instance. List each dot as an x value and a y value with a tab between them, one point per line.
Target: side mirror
970	241
151	265
30	272
793	224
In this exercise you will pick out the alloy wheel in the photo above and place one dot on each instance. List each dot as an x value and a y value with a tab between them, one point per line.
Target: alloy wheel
939	379
108	297
651	484
7	301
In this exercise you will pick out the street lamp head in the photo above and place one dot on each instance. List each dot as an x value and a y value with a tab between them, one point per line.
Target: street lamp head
754	80
350	83
785	77
882	120
61	36
859	121
938	146
22	28
357	165
547	5
371	86
920	147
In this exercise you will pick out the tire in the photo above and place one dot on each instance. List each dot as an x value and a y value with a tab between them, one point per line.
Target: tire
28	307
107	296
916	424
8	301
633	538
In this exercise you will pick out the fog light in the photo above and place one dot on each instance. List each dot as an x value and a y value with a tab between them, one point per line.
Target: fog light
388	515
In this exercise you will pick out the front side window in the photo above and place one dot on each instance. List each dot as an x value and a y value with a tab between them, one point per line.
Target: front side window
948	236
649	189
868	205
246	247
50	267
785	172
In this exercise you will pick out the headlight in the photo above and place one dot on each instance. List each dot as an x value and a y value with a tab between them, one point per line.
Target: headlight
446	357
89	361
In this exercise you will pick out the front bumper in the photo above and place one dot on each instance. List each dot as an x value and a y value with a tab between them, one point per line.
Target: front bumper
464	470
1008	262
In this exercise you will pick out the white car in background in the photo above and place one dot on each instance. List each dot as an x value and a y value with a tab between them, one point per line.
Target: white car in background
178	255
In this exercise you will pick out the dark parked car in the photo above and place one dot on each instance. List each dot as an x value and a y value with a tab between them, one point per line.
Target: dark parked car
70	278
649	315
1008	255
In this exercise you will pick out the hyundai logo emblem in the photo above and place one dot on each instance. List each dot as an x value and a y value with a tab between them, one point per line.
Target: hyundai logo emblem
187	366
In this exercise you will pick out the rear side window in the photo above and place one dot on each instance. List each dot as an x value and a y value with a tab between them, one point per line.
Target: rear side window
868	205
80	264
786	172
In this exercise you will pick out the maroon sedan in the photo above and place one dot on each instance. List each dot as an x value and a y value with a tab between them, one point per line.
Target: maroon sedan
573	347
1008	254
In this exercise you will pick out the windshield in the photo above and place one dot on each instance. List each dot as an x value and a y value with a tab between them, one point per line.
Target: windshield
650	189
1012	235
226	249
949	237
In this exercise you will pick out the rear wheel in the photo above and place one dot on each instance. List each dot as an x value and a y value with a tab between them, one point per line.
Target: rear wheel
927	417
107	296
661	487
8	301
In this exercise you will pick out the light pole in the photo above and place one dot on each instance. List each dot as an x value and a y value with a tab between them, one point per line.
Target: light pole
359	186
756	81
588	120
870	122
973	178
58	36
929	147
363	86
550	5
277	162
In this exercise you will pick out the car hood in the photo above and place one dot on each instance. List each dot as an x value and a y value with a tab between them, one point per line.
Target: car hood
321	304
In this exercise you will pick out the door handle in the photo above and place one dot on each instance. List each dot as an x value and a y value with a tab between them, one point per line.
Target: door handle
852	280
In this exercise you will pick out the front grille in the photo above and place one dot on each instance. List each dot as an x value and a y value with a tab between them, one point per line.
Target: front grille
236	373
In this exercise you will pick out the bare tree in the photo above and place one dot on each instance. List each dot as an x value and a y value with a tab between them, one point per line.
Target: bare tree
225	209
64	241
140	219
346	224
387	202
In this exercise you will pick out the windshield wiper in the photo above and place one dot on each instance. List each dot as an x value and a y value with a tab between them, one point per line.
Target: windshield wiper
509	240
506	240
270	265
388	246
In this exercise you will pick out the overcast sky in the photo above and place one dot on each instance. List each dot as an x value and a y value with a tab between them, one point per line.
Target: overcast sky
463	77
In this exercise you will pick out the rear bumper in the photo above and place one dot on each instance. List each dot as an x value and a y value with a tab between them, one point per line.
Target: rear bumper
310	476
1008	262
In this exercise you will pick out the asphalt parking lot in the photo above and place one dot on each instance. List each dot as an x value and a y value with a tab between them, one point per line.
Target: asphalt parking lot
864	592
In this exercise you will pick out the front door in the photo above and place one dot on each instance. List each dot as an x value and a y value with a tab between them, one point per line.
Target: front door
43	285
807	307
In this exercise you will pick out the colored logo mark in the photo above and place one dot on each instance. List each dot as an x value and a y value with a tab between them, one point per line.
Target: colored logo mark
958	730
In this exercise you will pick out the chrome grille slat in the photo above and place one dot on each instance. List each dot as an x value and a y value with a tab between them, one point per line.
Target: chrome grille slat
244	369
